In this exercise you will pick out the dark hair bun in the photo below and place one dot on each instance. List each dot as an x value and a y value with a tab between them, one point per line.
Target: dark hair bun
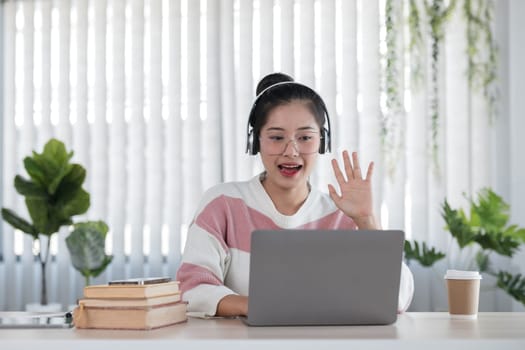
270	80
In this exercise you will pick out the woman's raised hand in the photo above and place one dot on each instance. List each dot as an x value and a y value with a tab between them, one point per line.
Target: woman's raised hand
355	199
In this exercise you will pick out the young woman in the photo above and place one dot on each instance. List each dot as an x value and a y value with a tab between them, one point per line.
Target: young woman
289	127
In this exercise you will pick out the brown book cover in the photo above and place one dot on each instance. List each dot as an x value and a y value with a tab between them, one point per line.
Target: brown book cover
106	291
133	318
130	302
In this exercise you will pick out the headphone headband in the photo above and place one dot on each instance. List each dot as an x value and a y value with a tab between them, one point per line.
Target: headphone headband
252	145
277	84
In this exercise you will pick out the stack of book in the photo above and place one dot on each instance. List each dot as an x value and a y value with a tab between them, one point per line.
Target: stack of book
130	304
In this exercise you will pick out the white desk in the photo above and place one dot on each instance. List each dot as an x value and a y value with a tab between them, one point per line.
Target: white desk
411	331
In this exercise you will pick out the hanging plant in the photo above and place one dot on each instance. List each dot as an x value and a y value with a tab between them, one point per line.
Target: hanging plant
438	14
415	47
482	52
393	113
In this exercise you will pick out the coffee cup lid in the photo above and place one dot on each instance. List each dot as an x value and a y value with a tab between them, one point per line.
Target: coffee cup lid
462	275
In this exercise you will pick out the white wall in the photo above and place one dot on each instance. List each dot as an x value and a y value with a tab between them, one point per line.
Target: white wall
516	85
508	139
1	124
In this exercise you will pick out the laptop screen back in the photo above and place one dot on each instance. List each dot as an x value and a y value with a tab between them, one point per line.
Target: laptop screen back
317	277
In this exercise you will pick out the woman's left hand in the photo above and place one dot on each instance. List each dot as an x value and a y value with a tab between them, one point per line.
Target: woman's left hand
356	193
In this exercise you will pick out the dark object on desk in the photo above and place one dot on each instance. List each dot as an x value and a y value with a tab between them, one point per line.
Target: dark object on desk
25	320
141	281
324	277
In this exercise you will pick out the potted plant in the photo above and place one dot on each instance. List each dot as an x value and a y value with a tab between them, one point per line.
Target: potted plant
53	195
486	232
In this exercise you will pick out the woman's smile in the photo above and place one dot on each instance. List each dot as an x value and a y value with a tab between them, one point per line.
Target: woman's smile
289	169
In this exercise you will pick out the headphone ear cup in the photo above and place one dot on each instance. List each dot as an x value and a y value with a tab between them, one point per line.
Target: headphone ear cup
327	142
325	145
249	142
252	145
322	144
255	146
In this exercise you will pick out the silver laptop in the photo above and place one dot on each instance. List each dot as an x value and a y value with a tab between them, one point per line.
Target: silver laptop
318	277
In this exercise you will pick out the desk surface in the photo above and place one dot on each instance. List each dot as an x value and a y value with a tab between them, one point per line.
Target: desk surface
411	331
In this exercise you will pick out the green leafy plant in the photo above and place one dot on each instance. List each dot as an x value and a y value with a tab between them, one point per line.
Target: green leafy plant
488	232
53	195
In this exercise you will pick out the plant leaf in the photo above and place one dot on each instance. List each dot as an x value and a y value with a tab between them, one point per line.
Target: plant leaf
483	262
520	234
513	285
498	242
98	271
475	220
492	211
38	210
28	188
45	217
19	223
74	203
54	163
75	177
457	225
71	198
515	232
35	172
99	226
426	257
86	245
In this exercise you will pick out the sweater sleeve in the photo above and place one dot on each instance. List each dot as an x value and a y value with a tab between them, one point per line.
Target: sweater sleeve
205	263
406	288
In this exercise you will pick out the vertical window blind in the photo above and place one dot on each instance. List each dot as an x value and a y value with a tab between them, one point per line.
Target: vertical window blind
153	98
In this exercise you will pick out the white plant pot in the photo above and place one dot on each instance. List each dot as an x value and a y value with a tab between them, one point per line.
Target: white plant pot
37	307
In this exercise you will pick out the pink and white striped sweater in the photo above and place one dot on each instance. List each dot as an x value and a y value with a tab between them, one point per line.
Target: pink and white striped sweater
217	254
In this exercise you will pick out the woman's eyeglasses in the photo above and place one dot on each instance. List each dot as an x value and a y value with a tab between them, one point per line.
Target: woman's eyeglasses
276	144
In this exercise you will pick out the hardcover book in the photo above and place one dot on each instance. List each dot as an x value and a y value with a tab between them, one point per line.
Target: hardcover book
133	318
106	291
129	302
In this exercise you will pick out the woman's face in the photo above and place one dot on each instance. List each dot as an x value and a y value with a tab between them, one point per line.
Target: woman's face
289	145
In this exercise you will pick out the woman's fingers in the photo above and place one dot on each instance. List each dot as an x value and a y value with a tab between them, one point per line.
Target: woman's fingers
370	171
348	166
338	173
334	195
352	168
357	167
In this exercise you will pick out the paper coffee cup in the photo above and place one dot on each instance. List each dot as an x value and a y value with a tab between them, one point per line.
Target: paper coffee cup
463	293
